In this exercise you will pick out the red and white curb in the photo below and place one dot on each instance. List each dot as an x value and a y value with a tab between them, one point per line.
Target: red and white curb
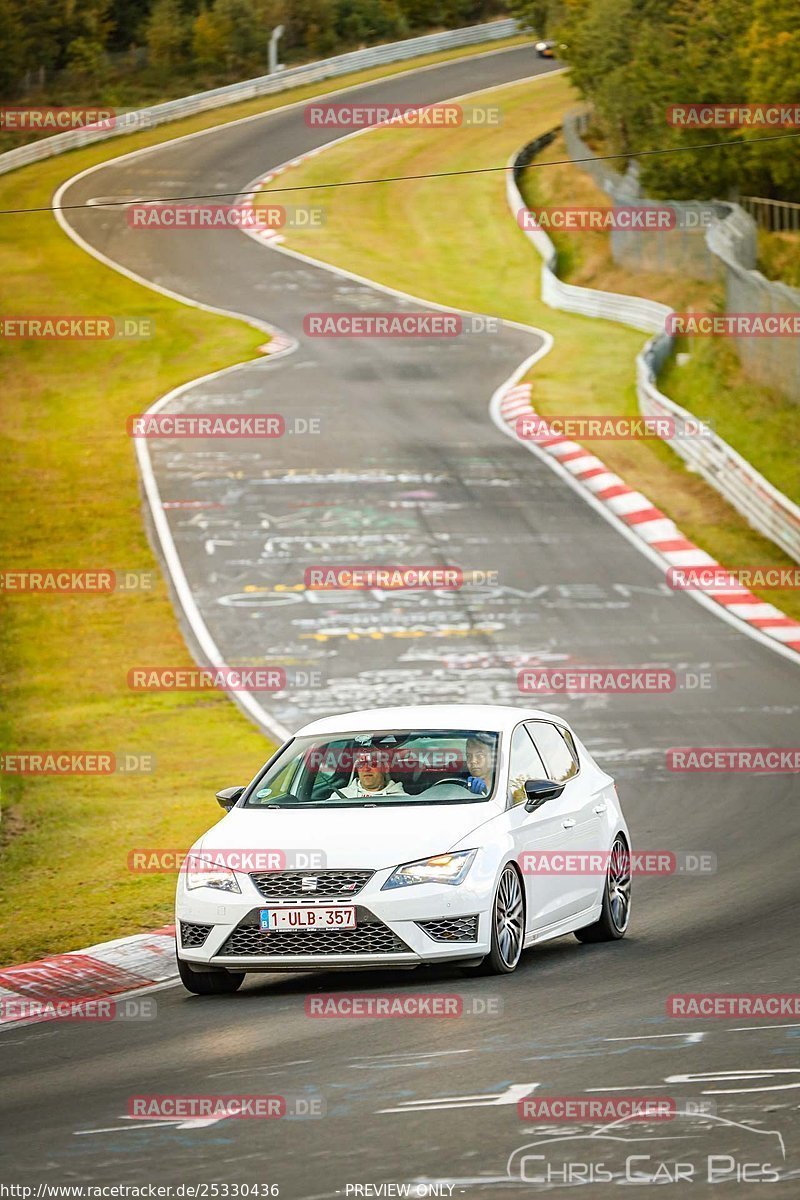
647	522
271	236
31	991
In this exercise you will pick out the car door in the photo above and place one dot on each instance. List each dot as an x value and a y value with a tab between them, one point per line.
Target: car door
545	832
582	806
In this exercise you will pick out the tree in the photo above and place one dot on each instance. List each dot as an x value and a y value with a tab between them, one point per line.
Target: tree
368	21
632	59
540	16
43	42
167	35
774	49
12	60
87	60
208	41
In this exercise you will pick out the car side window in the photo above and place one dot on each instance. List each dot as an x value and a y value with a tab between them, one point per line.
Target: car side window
558	754
524	763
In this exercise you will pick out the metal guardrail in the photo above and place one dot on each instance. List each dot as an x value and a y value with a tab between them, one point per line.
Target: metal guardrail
647	315
711	240
264	85
766	509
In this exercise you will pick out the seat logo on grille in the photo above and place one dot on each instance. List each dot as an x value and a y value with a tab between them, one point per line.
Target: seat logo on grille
308	883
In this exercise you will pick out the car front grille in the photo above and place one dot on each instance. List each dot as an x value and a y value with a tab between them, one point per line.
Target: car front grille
370	936
451	929
193	935
288	885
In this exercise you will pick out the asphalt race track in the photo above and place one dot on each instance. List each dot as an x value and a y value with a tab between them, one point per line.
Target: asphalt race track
409	468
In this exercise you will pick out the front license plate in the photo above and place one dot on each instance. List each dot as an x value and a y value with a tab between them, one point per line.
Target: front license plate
308	918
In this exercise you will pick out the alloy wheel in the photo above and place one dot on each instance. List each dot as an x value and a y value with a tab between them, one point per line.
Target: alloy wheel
619	885
509	918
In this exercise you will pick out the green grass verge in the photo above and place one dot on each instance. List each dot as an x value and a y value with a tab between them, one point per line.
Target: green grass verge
779	256
71	500
453	241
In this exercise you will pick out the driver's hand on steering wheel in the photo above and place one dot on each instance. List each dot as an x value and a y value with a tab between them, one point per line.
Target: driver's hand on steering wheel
478	786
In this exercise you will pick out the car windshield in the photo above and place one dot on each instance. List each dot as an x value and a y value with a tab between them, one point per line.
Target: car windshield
387	767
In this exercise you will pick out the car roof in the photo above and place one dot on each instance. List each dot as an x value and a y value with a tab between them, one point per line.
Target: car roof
499	718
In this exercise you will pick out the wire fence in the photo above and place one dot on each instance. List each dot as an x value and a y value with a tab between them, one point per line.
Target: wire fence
766	508
680	248
774	216
709	240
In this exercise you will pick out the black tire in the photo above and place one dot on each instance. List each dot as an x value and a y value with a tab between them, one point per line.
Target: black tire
216	982
508	925
616	912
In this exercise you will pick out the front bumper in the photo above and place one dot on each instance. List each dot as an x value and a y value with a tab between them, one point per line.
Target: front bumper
404	927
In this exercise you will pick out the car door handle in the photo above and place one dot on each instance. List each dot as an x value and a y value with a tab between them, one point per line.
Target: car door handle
600	808
569	823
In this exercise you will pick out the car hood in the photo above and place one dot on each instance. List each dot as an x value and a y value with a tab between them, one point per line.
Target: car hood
351	837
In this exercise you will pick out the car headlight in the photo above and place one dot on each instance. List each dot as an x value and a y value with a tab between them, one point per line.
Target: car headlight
441	868
203	872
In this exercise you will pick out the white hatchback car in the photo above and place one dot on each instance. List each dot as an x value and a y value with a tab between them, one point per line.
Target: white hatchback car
400	836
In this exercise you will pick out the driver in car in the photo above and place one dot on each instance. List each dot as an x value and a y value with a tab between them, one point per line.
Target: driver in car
480	764
371	777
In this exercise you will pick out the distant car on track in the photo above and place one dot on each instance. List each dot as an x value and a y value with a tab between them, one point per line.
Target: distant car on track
401	836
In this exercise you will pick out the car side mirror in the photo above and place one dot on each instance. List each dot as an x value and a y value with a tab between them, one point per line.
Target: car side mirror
539	791
228	797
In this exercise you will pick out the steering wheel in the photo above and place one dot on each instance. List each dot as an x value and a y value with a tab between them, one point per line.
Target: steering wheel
449	779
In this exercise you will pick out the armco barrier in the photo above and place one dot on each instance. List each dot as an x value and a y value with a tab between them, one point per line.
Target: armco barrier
766	509
264	85
714	240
